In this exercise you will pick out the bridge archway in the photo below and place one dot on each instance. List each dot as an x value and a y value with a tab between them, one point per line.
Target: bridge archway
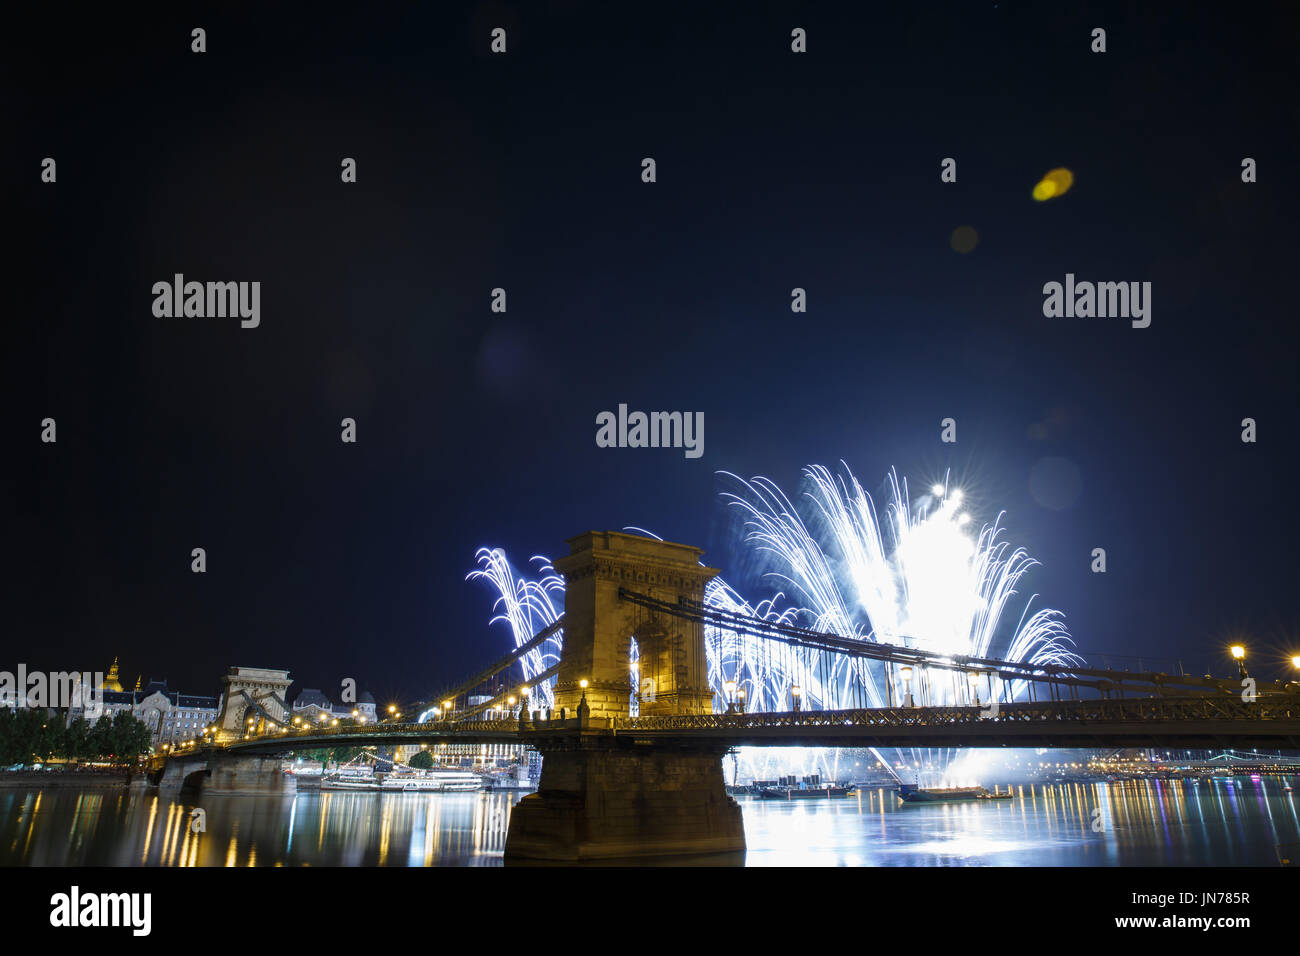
195	779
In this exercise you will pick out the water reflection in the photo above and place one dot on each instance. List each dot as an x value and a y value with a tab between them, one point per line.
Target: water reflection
116	828
1138	823
1135	823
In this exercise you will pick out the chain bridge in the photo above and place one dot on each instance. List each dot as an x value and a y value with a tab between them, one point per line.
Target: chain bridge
620	786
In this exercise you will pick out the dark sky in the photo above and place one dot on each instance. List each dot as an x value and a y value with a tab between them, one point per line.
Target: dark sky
522	171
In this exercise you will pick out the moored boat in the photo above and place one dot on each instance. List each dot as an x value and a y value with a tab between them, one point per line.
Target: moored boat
806	788
913	794
829	791
349	781
432	781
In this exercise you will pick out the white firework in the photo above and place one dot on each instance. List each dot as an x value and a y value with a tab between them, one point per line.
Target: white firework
527	606
918	580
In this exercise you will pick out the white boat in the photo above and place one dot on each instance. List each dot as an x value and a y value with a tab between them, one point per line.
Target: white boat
349	781
433	781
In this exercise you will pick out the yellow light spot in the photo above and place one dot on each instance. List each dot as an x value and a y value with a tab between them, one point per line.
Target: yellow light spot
964	239
1055	183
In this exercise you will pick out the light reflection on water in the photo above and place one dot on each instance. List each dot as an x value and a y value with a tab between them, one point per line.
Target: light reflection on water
1138	823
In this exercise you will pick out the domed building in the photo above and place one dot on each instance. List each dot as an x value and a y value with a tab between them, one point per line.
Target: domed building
311	705
172	717
111	682
366	704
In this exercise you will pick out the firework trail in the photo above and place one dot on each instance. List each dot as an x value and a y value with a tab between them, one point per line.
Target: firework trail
526	606
919	579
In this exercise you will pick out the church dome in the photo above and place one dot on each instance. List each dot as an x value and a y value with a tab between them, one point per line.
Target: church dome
111	682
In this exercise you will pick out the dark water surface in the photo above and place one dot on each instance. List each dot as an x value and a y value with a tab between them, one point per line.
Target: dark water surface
1140	823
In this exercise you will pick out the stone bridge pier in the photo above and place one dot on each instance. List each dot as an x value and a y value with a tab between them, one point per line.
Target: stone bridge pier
227	773
607	797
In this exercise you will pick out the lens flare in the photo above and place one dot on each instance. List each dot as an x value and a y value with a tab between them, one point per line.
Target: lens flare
1053	184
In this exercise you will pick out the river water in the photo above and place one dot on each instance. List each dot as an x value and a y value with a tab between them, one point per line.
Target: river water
1134	823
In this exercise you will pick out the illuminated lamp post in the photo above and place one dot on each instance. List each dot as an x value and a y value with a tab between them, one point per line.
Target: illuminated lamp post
1239	655
906	673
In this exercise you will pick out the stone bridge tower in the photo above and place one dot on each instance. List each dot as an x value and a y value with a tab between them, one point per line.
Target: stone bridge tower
605	793
256	693
599	627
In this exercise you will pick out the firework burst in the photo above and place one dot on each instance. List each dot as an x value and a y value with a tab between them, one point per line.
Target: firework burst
918	579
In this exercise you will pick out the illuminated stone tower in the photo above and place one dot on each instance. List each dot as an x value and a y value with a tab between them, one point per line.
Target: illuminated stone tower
599	626
605	793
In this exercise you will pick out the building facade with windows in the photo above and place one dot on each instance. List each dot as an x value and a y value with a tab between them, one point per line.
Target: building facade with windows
172	717
312	706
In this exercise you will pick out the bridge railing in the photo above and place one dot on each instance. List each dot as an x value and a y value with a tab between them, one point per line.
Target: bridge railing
1280	707
382	730
1101	711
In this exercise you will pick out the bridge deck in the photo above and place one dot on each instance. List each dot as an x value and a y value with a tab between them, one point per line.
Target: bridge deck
1195	723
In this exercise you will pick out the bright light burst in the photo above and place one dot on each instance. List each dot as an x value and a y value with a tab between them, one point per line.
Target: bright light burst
527	606
919	579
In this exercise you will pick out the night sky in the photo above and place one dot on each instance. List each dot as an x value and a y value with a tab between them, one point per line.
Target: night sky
775	170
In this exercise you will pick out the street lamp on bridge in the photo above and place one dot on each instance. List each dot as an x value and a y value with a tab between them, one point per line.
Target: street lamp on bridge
1239	654
906	673
796	692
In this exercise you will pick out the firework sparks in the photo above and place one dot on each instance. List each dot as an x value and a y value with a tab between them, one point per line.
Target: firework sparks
919	579
526	606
